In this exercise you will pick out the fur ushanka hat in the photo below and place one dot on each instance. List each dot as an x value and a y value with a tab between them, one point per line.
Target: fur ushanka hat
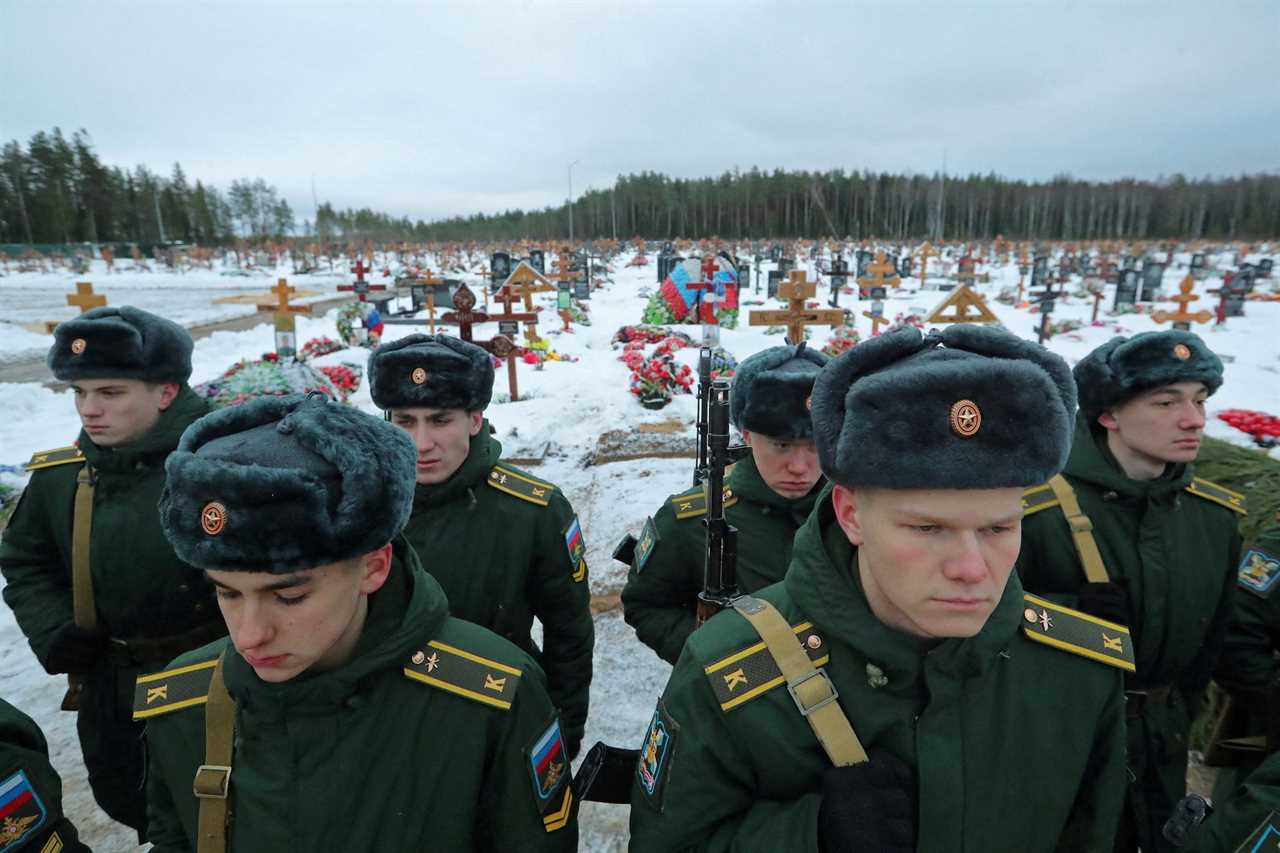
1123	368
771	391
430	372
120	343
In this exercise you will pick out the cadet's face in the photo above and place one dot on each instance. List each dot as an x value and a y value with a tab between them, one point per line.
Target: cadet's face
115	412
788	465
443	438
1161	426
284	625
933	563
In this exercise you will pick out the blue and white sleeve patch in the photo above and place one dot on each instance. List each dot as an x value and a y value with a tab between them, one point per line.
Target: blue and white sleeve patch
1259	572
577	548
644	547
654	763
549	768
22	812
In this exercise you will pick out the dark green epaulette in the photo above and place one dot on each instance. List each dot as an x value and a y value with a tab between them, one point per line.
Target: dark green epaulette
460	672
1077	632
1211	491
693	503
172	690
1037	498
520	485
751	672
57	456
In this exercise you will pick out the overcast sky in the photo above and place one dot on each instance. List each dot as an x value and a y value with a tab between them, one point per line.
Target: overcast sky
435	109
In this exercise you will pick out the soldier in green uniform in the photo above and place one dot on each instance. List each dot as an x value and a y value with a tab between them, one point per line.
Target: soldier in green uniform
898	691
94	585
1129	533
506	546
347	711
31	815
768	496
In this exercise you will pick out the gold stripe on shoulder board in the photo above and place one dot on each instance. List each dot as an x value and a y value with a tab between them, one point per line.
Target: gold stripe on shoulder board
752	671
1211	491
172	690
1037	498
53	845
462	673
1077	632
694	503
57	456
520	486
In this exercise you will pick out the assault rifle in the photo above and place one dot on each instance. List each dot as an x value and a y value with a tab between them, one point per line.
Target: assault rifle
704	394
720	565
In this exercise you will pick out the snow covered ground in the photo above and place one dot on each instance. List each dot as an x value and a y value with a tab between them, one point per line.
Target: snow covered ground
563	410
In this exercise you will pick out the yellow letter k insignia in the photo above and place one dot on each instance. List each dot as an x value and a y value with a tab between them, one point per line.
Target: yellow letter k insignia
497	685
735	678
157	693
1113	644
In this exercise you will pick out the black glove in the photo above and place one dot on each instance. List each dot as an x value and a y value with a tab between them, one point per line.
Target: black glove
1106	601
868	806
1188	814
74	649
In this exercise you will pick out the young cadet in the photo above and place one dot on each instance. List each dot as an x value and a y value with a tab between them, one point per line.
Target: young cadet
898	691
348	711
1128	533
768	496
31	815
505	545
94	585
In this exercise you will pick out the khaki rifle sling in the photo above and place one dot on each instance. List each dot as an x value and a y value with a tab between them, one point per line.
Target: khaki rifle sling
86	614
1081	531
809	686
212	784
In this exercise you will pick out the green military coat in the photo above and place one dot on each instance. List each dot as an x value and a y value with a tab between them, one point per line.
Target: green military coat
436	735
141	589
1172	544
30	790
1015	744
660	597
507	547
1246	820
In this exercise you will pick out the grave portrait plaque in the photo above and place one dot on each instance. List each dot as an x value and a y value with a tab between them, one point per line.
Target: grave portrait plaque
776	277
864	260
1152	275
509	328
906	266
1264	267
538	260
564	296
581	289
1126	289
1128	262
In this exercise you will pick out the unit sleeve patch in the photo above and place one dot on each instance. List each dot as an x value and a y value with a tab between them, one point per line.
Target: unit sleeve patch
644	546
1259	572
549	768
577	548
654	763
22	812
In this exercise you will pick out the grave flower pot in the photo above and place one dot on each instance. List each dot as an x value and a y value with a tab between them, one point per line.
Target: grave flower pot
654	402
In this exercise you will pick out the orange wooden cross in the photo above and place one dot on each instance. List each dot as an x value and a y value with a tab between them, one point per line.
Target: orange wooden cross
876	321
880	273
84	298
964	305
796	289
285	322
525	281
1183	318
924	253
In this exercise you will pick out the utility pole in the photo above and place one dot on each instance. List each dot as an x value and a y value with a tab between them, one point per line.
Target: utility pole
571	165
155	196
613	211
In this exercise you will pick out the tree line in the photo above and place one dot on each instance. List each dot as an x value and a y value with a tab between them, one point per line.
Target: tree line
57	190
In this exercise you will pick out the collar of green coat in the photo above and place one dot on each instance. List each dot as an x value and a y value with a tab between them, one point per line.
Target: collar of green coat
156	444
409	609
484	452
747	484
1092	461
823	581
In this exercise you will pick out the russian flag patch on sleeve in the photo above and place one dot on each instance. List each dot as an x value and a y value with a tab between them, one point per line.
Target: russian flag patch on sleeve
549	765
21	811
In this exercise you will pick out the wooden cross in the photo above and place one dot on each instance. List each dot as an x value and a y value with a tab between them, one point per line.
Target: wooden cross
1098	293
963	305
876	320
525	281
880	273
507	296
84	298
1183	318
286	324
796	289
361	287
463	316
924	253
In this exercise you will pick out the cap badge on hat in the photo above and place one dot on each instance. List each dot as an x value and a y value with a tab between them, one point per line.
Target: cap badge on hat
213	518
418	376
1182	352
808	403
78	345
966	418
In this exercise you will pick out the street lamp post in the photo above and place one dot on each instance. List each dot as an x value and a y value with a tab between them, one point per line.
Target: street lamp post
571	165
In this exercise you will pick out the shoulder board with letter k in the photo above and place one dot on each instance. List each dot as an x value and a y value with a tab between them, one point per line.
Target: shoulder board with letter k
462	673
750	672
57	456
1211	491
172	690
1077	632
692	504
518	485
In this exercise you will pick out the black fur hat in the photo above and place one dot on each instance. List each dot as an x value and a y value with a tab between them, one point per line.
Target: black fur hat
771	391
969	407
430	372
280	484
1123	368
120	343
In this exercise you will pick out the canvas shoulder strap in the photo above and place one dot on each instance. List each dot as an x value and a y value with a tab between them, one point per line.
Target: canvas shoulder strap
1081	530
212	785
809	685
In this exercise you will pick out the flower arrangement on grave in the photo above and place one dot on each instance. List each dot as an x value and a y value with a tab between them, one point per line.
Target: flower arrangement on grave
317	347
249	379
345	377
723	364
658	378
1061	327
370	321
671	345
664	308
1264	428
907	320
645	334
843	339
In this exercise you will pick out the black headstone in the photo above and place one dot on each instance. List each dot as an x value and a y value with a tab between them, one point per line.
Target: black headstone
1126	289
1039	272
776	277
1264	268
906	266
499	267
1198	261
582	289
1152	275
538	260
786	265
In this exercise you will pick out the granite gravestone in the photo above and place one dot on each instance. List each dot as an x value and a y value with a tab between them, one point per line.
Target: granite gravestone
1152	275
1126	289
